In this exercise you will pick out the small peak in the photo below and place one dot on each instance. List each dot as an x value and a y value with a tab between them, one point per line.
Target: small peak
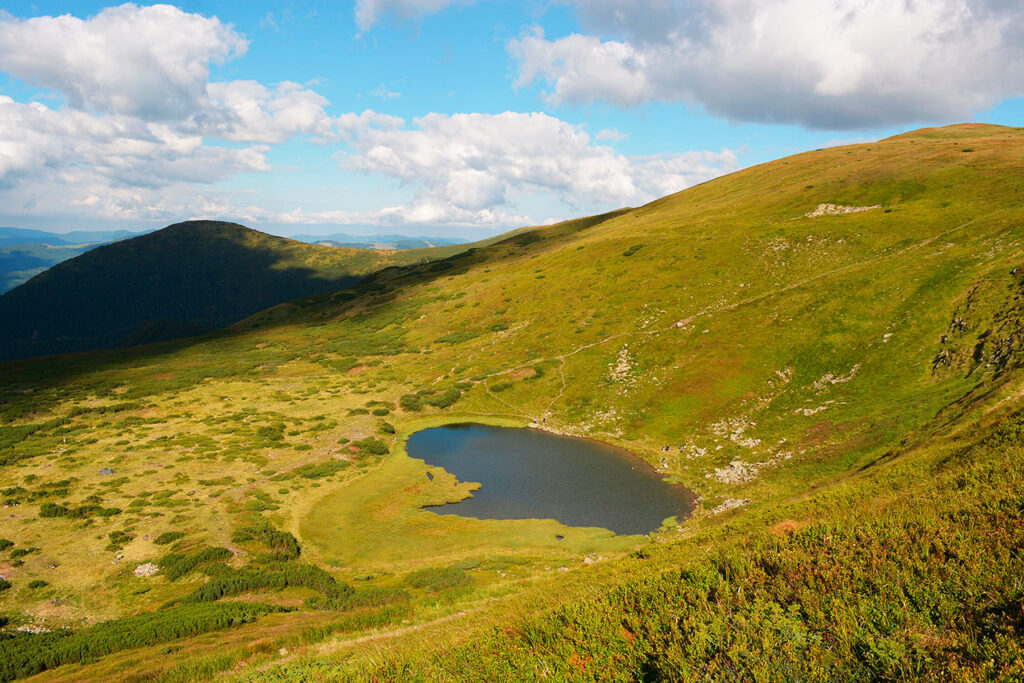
205	225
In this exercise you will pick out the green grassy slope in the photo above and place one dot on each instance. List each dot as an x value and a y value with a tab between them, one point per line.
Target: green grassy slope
817	378
180	281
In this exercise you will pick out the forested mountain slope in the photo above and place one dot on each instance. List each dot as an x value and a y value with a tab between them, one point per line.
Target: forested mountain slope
183	280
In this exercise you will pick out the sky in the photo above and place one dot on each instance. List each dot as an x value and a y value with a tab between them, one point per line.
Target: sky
460	118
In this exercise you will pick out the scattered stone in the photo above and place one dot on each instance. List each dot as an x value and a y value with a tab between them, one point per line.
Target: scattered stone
621	367
693	451
106	472
144	570
729	504
737	472
807	412
733	428
835	209
785	374
829	379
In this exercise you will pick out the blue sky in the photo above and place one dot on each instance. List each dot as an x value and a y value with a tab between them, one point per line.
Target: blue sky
453	117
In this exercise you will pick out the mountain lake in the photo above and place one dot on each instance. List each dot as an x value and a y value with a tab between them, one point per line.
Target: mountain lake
533	474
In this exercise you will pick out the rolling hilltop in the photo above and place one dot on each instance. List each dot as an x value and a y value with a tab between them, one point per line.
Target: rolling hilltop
826	349
181	281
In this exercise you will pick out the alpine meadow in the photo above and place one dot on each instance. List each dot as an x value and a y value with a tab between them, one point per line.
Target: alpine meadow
825	349
482	341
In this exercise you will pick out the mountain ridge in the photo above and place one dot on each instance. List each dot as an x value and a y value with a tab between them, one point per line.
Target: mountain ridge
188	278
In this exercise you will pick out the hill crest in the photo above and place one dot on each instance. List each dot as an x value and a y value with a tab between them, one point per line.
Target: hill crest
187	278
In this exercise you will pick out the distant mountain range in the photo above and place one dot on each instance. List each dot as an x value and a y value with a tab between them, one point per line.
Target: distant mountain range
26	253
383	242
180	281
9	236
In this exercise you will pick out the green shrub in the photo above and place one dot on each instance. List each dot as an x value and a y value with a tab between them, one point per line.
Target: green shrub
501	386
386	428
118	539
319	470
274	432
272	558
82	512
278	541
275	576
168	537
5	544
29	654
258	506
37	583
372	445
411	402
177	565
22	552
380	412
4	585
366	597
445	399
345	364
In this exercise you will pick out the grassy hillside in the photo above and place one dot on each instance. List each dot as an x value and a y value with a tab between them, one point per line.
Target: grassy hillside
825	348
180	281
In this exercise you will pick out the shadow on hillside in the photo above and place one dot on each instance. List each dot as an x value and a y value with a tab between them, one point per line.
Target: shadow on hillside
185	280
99	371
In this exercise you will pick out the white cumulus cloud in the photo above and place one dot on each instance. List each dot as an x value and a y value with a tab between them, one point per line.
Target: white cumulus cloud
138	133
249	111
151	61
54	159
818	63
470	167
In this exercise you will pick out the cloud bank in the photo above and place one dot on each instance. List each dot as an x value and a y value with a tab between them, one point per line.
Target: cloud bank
144	134
837	64
468	167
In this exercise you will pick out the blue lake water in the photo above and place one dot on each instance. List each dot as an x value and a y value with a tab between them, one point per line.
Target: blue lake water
532	474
